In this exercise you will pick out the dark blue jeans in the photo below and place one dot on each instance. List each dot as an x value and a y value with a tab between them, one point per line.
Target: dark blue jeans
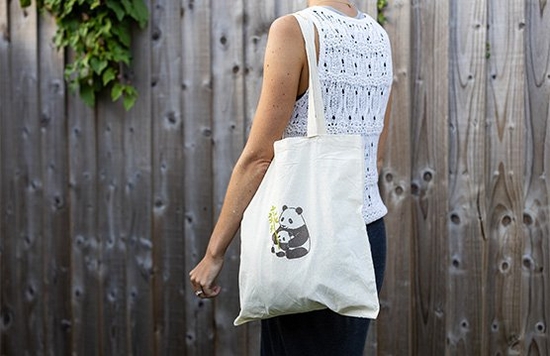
324	332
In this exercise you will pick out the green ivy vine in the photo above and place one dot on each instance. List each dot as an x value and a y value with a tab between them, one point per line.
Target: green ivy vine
99	33
381	6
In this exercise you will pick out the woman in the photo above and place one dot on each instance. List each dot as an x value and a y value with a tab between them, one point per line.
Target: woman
354	60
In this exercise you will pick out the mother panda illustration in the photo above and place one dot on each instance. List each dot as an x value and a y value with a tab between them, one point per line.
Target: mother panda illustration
291	239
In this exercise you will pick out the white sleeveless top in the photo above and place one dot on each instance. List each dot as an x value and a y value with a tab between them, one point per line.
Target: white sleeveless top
355	71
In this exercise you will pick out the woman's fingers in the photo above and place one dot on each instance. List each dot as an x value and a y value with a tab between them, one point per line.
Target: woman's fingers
204	292
202	279
209	292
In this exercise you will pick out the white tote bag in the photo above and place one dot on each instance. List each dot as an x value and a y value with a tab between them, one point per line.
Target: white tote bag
304	243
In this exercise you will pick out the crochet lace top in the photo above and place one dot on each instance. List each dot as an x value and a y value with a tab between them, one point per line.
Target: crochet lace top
355	71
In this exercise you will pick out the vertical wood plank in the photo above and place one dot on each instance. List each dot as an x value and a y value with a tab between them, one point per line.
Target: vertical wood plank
25	290
369	7
394	325
137	202
467	243
6	172
228	140
198	181
85	242
54	166
536	214
283	7
258	17
504	176
113	333
429	173
168	176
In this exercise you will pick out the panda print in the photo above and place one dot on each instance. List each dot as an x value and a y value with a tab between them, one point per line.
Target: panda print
291	239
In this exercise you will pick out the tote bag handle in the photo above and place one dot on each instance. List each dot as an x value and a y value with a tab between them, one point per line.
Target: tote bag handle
316	124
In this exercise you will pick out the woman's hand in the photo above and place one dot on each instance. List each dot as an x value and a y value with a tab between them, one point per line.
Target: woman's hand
204	275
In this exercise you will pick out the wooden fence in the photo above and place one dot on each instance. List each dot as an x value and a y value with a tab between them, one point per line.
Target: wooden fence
104	212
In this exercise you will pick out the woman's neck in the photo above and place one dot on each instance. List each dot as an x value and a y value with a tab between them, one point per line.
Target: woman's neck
345	3
344	6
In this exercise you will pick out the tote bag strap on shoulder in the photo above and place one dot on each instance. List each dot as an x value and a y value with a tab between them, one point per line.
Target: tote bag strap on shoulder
316	124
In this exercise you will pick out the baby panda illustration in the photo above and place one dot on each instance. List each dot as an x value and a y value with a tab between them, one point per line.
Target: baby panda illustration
291	239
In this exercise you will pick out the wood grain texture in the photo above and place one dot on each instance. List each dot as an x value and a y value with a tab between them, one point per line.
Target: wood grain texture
395	182
504	176
429	126
110	151
228	130
137	201
536	215
467	243
7	159
284	7
5	124
85	240
258	17
55	210
368	6
198	179
167	178
26	289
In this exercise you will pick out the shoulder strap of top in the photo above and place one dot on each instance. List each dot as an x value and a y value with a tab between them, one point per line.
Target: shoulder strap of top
316	124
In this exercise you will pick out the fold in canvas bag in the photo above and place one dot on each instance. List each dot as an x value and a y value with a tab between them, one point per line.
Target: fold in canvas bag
304	243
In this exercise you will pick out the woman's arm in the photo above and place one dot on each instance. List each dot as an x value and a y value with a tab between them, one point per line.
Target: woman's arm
283	65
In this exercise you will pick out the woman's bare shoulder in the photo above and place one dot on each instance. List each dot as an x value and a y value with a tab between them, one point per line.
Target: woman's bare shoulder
286	27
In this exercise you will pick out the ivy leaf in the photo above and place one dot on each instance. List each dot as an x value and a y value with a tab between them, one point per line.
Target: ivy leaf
115	6
98	33
60	40
98	65
87	94
66	8
137	10
141	13
73	86
123	34
130	97
381	6
127	7
95	4
108	76
116	92
105	28
121	55
129	101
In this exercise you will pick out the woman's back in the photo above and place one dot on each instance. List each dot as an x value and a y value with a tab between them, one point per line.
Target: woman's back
355	71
